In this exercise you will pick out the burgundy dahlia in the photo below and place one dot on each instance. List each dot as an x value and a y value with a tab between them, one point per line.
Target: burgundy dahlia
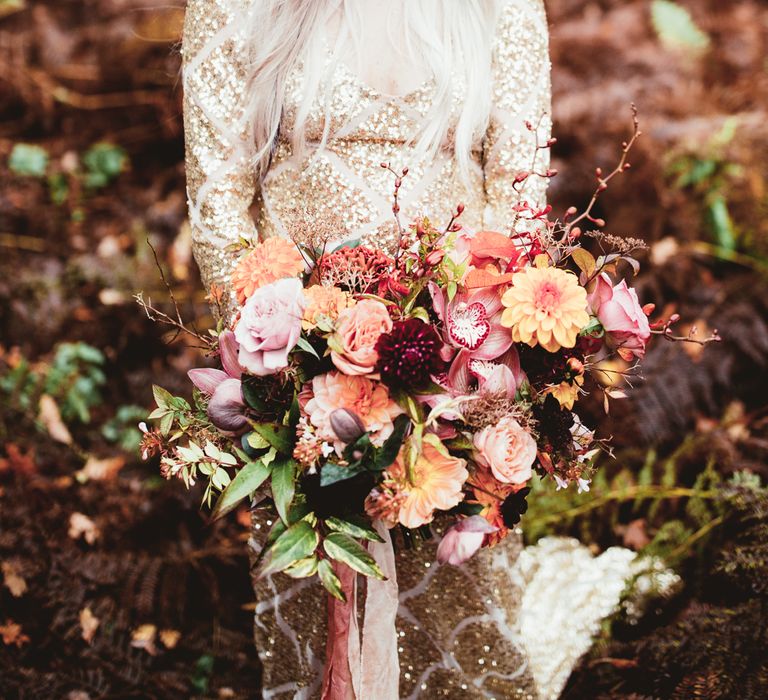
409	354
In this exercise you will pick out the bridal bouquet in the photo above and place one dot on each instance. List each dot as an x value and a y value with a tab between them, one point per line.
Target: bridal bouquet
362	390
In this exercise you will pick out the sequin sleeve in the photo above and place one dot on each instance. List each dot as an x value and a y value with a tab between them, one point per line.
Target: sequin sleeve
521	93
220	179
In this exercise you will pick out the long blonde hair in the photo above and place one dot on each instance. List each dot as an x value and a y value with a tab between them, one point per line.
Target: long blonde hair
453	38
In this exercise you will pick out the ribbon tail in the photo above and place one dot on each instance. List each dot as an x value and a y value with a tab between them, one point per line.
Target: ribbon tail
343	636
380	667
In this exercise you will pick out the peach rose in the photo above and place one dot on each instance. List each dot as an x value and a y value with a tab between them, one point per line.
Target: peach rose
353	346
367	399
507	449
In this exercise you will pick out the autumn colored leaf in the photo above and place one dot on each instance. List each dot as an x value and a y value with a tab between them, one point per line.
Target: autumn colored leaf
491	244
50	417
12	633
82	526
89	623
19	462
12	578
477	279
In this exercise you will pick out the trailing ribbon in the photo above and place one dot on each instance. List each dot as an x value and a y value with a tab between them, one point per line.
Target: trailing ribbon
371	670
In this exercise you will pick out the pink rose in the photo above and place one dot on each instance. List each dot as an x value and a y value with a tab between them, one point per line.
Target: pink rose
507	449
461	541
353	346
619	311
270	326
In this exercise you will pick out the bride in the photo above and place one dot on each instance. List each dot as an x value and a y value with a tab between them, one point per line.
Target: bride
291	107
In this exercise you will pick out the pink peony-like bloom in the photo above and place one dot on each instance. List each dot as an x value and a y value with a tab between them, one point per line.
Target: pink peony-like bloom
619	311
461	541
436	482
270	326
367	399
507	449
353	346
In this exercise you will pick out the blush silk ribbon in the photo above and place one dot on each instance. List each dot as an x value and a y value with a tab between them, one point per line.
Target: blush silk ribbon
358	669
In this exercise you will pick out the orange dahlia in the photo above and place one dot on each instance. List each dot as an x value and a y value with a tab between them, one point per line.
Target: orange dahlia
545	306
271	260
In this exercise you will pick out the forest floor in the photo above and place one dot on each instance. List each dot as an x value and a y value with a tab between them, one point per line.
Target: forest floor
114	585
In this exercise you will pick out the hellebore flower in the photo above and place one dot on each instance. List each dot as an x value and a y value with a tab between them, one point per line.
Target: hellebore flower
461	541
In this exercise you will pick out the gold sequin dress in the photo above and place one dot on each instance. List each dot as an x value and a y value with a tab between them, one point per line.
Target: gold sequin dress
459	631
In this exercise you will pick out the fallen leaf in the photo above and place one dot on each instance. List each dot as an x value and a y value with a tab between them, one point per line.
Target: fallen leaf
96	469
170	638
635	535
19	462
13	579
50	417
143	637
12	634
82	526
243	517
89	623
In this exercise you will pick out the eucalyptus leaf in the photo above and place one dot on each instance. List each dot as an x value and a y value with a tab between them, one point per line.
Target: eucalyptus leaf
247	480
297	542
343	548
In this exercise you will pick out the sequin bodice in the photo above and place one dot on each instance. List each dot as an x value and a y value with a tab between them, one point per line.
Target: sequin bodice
365	129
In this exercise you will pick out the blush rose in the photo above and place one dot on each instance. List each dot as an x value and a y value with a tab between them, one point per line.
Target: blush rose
619	311
270	326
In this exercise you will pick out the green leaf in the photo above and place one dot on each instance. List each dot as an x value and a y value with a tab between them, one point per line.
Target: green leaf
676	28
103	163
28	160
254	394
329	580
304	568
247	480
278	436
343	548
166	423
255	441
306	346
331	473
354	528
221	478
163	398
297	542
283	485
391	447
721	223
